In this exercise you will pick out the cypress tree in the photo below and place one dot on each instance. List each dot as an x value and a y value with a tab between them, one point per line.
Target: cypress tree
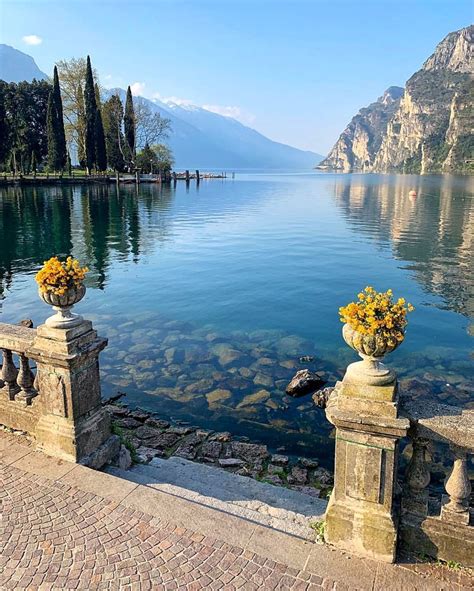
90	118
60	135
57	152
100	149
112	116
129	126
81	128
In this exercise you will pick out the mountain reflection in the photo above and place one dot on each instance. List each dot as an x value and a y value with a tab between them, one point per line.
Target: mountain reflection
95	224
432	232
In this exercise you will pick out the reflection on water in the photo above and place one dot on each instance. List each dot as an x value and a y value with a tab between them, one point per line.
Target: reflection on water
210	297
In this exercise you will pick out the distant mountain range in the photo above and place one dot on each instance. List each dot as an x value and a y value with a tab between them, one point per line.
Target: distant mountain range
199	138
425	127
16	66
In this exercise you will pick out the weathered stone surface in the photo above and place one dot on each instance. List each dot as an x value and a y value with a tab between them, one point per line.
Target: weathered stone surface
298	475
211	449
308	463
103	454
321	397
124	459
157	423
230	463
304	382
249	452
280	460
127	423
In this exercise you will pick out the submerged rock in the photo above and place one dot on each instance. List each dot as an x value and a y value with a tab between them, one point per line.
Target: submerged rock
304	382
255	398
217	396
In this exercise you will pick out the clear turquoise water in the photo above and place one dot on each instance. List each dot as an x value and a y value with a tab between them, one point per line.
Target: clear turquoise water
259	264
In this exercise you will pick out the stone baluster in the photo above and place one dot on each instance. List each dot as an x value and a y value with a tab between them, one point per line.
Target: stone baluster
25	381
9	374
455	505
417	478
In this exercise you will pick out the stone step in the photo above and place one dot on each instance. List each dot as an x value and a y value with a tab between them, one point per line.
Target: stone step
280	508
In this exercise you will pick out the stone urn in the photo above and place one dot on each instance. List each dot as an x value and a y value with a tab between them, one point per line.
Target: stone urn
372	349
63	304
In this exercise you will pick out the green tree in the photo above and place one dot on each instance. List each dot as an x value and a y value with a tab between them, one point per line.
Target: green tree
24	121
57	153
69	164
34	164
146	160
129	127
90	118
4	131
80	129
72	77
156	159
165	158
100	148
112	116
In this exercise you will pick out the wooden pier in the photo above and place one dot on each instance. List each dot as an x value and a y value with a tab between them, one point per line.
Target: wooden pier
120	178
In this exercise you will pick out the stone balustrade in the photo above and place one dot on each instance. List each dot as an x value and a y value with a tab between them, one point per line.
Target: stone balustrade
369	513
18	383
60	406
444	533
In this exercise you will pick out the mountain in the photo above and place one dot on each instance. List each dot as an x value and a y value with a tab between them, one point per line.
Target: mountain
16	66
360	142
427	129
202	139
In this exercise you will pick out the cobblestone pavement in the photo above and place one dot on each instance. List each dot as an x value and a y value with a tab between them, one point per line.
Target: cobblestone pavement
57	534
54	536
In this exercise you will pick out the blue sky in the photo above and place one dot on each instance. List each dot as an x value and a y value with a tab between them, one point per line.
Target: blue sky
295	70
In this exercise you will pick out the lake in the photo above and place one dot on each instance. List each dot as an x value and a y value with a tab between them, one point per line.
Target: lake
209	295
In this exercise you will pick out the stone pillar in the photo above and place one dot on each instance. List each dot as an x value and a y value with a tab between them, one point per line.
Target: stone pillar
360	517
72	423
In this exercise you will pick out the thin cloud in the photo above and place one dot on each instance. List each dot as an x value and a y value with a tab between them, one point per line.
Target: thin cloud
138	88
32	40
231	111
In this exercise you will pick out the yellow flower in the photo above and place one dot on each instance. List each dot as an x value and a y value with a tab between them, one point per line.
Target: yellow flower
377	313
57	277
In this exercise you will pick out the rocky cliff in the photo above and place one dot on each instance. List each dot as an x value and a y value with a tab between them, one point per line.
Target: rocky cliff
428	129
360	142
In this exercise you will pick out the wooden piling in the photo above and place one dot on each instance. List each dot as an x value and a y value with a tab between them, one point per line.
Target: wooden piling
187	176
197	176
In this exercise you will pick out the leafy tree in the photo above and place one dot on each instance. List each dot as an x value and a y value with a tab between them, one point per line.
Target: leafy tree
24	122
129	126
33	162
69	164
157	159
146	160
165	158
72	76
112	116
57	153
151	127
4	131
90	108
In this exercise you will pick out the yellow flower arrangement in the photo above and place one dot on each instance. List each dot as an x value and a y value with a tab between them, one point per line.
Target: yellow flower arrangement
58	277
376	313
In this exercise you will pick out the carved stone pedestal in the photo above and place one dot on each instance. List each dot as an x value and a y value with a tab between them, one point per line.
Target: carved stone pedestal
360	517
71	424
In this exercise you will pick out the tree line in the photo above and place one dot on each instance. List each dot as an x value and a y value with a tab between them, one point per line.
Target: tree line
46	125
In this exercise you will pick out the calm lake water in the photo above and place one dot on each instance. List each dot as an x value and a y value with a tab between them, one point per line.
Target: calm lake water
210	295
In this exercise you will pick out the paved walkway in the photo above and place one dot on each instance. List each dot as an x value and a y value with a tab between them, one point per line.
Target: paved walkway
64	526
